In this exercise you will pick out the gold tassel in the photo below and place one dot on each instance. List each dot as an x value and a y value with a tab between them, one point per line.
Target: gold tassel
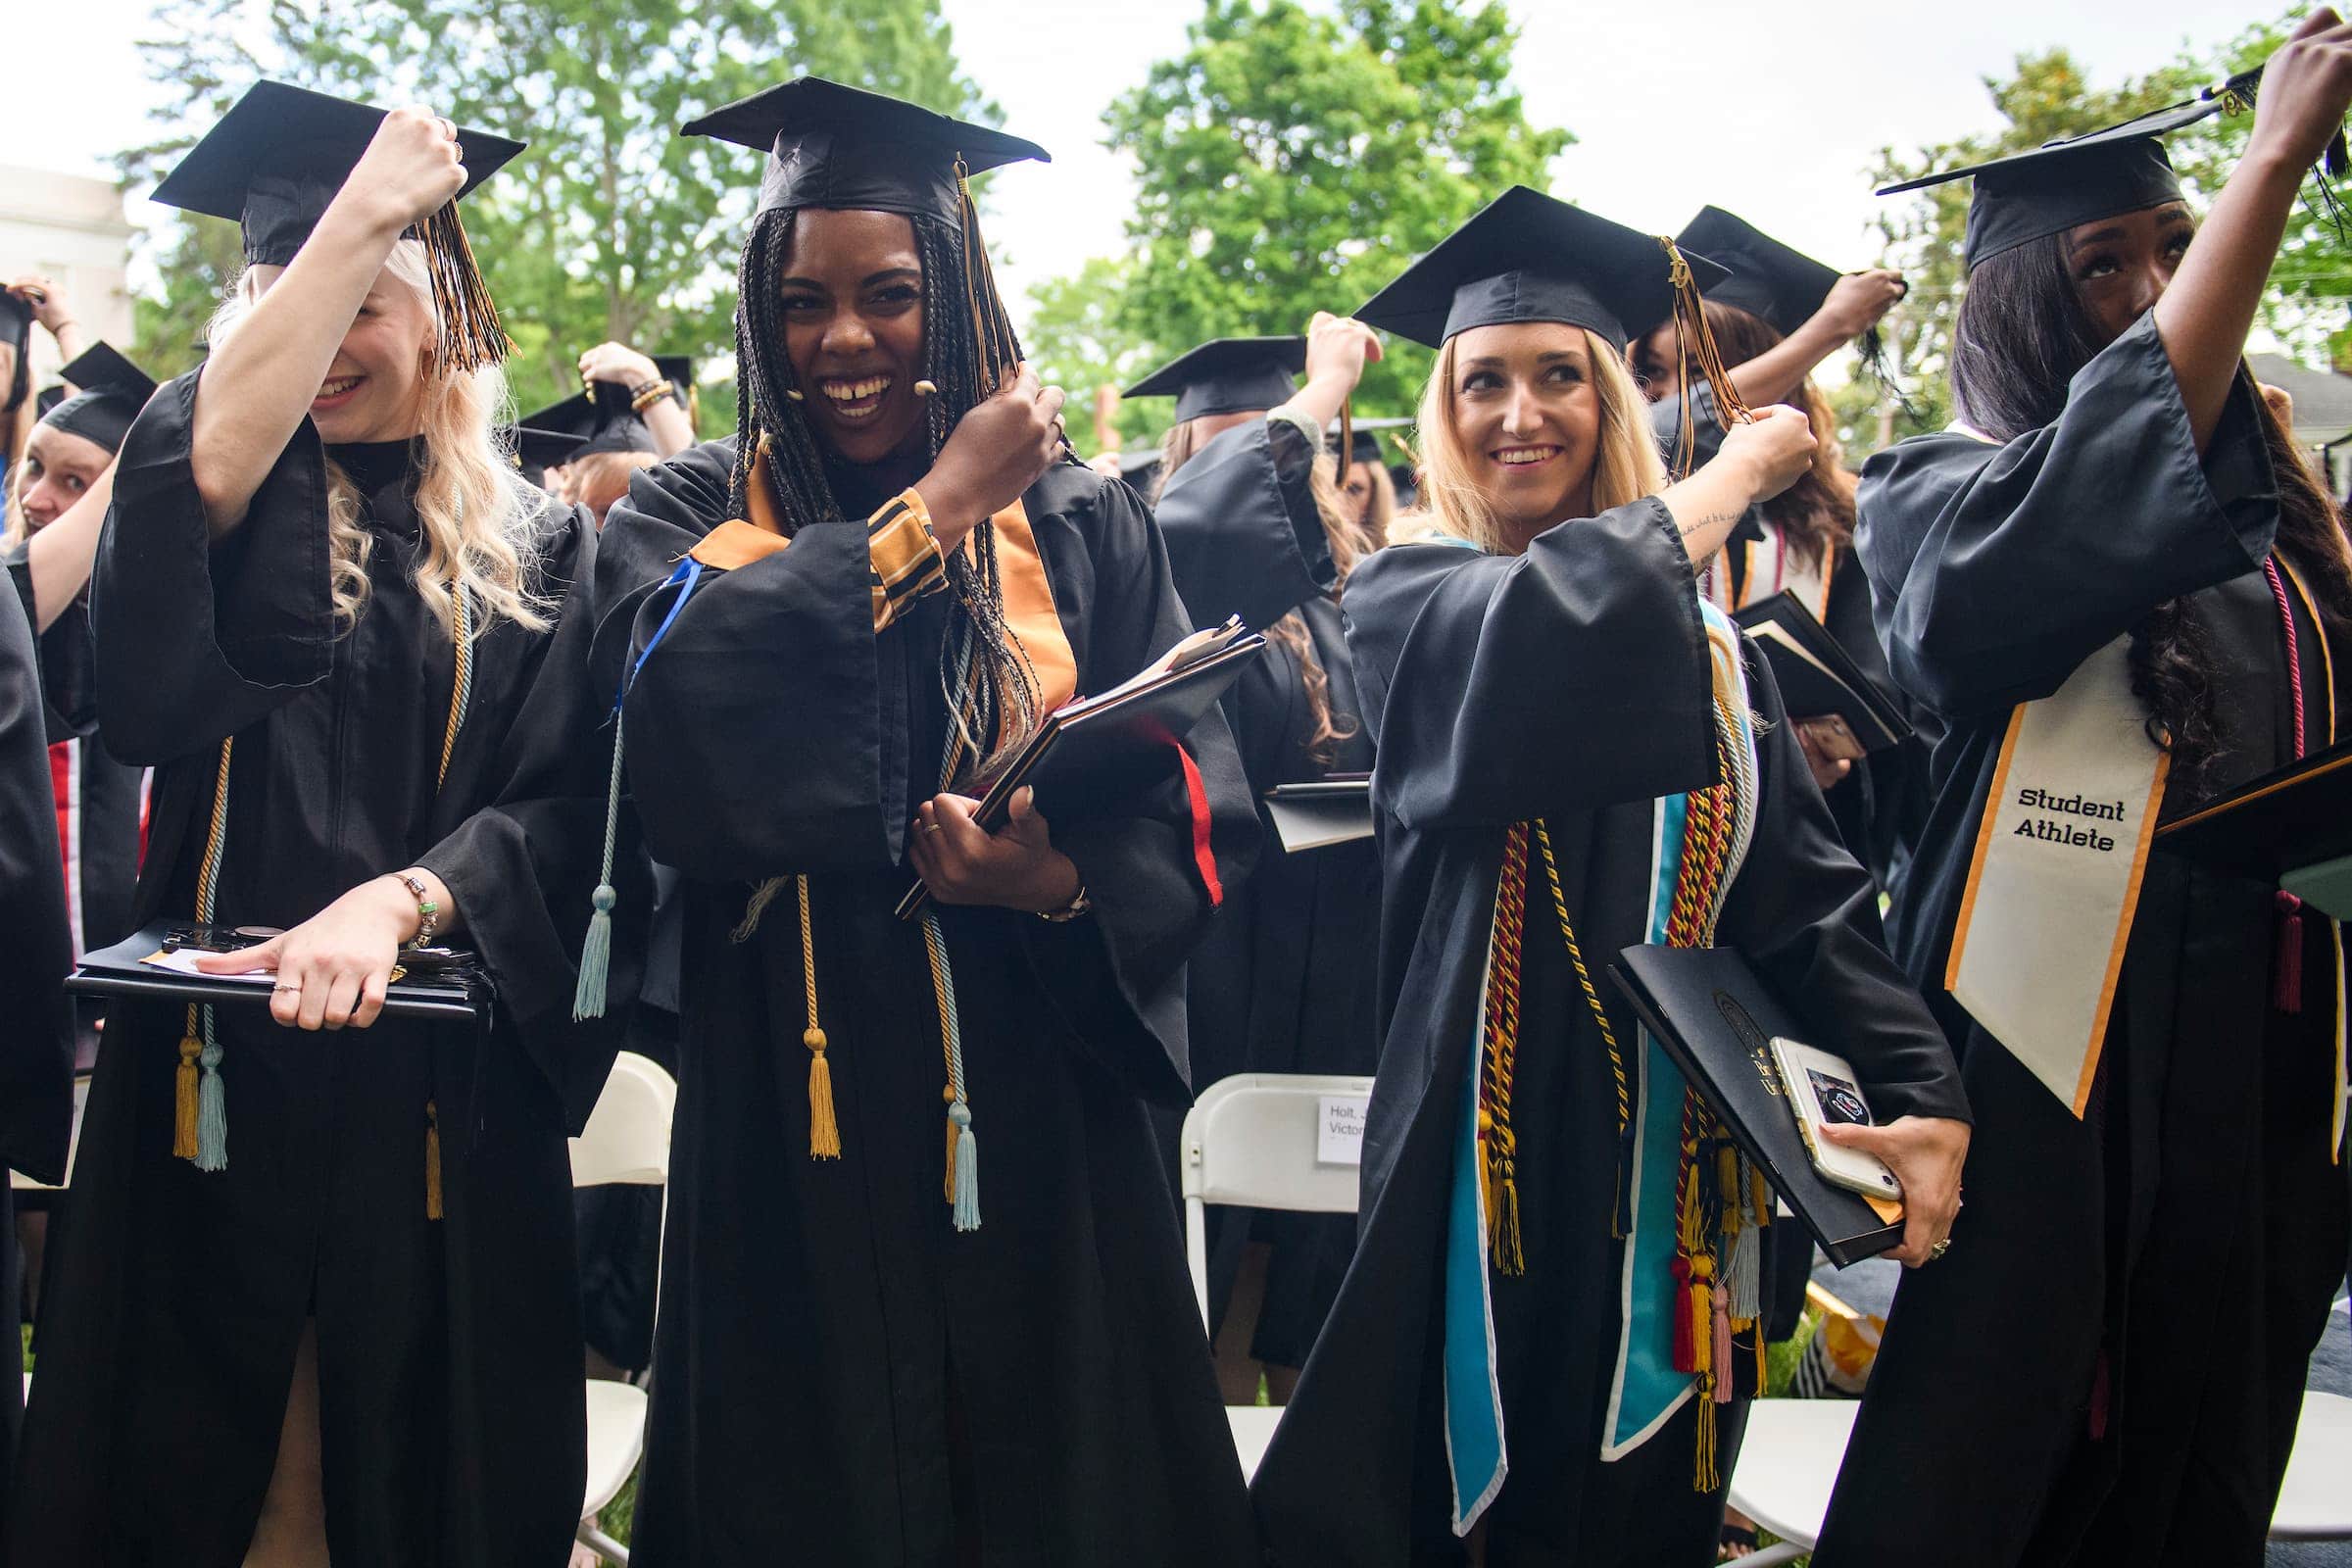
824	1134
1502	1198
1706	1478
947	1186
183	1099
432	1159
1701	1304
471	334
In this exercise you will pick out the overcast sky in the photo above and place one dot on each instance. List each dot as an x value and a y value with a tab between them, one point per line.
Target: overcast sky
1770	110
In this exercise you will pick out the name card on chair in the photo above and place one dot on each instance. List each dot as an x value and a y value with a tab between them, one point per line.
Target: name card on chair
1339	1129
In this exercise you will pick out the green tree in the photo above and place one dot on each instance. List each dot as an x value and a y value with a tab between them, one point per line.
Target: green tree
1076	336
611	226
1289	158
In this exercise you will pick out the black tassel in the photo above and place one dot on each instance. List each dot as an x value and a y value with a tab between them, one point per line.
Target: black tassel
1872	345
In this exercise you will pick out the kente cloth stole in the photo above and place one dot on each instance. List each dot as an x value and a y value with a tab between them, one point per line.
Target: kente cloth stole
1688	1208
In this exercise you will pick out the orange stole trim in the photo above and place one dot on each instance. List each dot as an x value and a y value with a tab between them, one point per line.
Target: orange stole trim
2122	934
1976	864
1028	591
1029	607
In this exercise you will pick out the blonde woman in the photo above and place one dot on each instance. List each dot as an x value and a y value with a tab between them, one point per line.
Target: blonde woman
1549	698
318	1297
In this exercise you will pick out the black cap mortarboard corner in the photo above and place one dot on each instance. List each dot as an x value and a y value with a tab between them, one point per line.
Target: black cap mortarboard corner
112	391
1227	376
1779	285
2076	179
536	451
836	146
1526	256
601	418
276	160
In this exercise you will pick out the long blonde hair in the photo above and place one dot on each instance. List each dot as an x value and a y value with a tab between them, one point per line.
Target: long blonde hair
1626	464
471	513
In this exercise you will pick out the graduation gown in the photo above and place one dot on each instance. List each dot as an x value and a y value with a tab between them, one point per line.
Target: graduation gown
452	1426
2116	1345
1882	801
36	1036
839	1373
101	802
1283	981
1570	684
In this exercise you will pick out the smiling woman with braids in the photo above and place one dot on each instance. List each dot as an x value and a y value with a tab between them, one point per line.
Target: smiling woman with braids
924	1301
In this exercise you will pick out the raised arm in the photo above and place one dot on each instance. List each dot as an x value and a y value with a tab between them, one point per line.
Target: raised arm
261	381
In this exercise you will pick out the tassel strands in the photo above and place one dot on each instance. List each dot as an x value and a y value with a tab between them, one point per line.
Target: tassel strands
596	947
470	336
825	1133
961	1183
1499	1168
200	1112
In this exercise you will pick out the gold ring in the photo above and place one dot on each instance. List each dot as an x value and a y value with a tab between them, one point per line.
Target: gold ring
932	827
274	989
1940	1248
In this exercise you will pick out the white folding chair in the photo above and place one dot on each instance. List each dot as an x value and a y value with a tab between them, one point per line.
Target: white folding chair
1252	1141
626	1141
1789	1458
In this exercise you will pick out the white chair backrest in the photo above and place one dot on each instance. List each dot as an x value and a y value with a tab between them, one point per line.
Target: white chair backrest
627	1136
1251	1140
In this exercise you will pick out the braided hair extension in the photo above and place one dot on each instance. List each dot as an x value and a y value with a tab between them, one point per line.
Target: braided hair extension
997	706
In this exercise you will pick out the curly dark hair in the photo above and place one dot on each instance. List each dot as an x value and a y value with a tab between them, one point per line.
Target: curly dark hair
2022	334
991	691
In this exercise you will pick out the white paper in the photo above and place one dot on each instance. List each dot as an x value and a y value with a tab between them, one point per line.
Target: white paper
1339	1129
184	963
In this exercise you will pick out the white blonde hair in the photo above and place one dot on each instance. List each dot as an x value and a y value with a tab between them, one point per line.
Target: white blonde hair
1455	505
472	515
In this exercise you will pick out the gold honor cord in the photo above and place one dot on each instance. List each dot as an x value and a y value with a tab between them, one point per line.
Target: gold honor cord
200	1110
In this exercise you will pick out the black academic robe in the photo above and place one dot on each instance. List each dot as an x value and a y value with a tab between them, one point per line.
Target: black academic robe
1283	981
1882	801
2109	1365
36	1024
840	1375
1570	684
450	1418
101	801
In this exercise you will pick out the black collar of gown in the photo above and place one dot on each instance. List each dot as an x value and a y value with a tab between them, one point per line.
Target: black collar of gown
379	466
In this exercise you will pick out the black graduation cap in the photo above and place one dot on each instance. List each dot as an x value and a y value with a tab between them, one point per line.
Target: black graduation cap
46	399
281	154
1227	376
536	451
1770	280
836	146
1525	257
113	391
2076	180
1367	439
601	418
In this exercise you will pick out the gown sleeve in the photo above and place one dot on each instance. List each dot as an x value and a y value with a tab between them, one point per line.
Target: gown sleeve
1244	534
1806	913
37	1043
1117	974
1498	688
66	654
195	640
522	868
1997	571
756	737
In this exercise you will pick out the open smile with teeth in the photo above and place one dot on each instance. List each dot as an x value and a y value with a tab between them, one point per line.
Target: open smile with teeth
854	400
336	386
1525	457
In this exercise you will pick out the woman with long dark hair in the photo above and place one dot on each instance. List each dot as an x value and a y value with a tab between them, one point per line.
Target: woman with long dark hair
317	1296
1575	755
1774	319
1283	981
2121	592
923	1297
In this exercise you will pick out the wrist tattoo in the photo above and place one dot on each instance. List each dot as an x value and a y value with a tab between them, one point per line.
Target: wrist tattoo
1710	521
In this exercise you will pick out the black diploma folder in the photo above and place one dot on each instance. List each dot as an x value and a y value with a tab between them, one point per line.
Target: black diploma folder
1818	679
455	992
2291	827
1320	812
1715	1017
1096	748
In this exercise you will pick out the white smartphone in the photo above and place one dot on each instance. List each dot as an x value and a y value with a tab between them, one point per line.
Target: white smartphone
1822	1088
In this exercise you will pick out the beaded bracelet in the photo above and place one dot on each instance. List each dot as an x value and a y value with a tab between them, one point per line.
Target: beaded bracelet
428	913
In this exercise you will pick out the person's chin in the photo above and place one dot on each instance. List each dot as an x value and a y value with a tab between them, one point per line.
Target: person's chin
869	441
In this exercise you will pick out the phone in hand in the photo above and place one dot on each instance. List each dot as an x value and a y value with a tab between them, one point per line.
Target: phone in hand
1823	1088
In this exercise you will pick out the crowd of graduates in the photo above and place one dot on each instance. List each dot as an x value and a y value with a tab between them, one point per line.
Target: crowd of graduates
322	657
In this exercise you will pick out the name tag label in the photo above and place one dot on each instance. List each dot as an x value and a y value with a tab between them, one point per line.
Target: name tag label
1339	1129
